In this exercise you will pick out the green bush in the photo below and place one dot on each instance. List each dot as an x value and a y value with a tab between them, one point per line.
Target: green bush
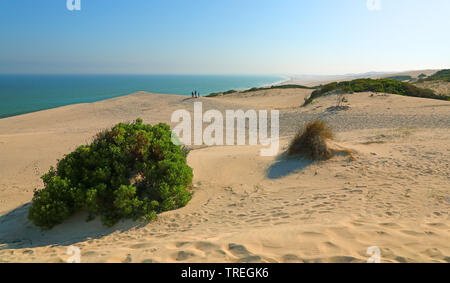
132	171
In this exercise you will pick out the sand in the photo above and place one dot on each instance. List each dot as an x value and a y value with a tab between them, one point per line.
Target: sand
246	208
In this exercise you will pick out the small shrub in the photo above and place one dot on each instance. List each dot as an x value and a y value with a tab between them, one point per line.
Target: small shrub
132	171
310	142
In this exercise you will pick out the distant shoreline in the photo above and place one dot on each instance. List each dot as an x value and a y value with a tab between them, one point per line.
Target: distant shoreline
22	94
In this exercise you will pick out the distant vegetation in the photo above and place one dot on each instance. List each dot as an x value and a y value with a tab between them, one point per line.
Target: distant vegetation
214	94
369	85
278	87
443	75
289	86
421	76
131	171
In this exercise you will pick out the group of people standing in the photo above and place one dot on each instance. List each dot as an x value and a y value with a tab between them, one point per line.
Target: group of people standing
195	94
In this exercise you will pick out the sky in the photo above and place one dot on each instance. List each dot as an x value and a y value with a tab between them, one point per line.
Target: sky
279	37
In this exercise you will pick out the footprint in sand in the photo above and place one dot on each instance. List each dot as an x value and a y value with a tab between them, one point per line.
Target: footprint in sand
250	259
183	255
206	246
290	258
140	246
238	250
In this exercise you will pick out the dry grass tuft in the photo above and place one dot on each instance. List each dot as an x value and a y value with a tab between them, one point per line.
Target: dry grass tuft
310	142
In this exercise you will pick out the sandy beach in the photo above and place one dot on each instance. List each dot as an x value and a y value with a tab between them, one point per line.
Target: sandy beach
395	194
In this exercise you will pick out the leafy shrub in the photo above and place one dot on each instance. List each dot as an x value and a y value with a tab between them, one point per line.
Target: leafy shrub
310	142
132	171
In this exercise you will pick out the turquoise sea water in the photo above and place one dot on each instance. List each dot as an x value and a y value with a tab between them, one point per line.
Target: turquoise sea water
21	94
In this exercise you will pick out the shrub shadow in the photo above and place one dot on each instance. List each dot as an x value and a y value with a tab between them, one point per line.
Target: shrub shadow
17	232
338	108
284	166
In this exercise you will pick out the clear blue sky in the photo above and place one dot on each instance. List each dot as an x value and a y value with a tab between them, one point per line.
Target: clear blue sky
223	36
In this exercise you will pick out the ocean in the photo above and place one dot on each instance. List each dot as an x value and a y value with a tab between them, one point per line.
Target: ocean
20	94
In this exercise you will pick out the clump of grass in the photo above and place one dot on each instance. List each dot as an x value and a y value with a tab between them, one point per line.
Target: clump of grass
310	141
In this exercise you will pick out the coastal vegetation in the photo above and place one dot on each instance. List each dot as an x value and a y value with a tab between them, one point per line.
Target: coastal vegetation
400	78
370	85
421	76
214	94
288	86
132	171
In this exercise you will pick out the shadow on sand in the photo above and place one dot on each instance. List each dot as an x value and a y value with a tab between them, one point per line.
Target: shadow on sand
285	166
17	232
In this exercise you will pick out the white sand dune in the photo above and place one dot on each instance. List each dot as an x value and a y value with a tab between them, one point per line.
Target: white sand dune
248	208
